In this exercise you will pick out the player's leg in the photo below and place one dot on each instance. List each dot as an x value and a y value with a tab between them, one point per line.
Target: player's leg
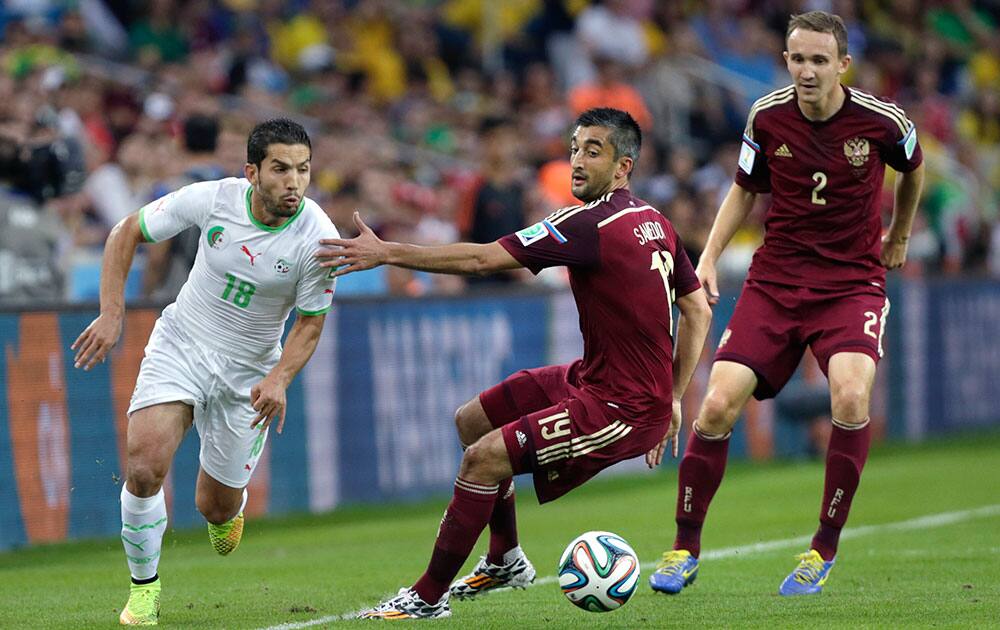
230	450
483	465
222	506
522	393
847	333
730	385
851	375
154	433
505	563
757	354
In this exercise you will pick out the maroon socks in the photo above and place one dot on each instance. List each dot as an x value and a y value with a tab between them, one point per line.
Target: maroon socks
700	474
845	459
463	522
503	523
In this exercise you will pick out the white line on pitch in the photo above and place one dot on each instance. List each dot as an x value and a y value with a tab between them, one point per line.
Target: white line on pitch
922	522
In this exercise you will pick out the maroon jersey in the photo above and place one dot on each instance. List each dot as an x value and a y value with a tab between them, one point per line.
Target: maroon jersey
626	267
823	227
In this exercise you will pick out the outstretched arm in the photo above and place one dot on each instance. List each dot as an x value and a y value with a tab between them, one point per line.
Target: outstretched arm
268	396
94	343
897	239
367	251
733	211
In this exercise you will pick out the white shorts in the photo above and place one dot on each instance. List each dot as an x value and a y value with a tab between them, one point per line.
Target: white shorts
176	369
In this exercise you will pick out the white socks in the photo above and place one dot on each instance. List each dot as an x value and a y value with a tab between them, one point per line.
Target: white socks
143	524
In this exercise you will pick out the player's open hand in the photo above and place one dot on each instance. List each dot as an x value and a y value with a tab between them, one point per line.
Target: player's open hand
364	251
893	252
268	399
671	437
96	341
706	275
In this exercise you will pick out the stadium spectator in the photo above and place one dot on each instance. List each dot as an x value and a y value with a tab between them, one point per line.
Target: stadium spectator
419	81
168	262
609	89
498	198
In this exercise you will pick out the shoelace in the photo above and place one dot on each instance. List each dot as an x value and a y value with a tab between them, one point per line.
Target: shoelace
670	560
808	569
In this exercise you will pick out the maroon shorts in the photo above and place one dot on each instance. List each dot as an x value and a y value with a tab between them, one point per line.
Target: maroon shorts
773	324
560	434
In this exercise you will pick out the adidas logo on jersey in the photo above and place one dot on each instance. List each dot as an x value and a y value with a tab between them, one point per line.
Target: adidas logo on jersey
783	151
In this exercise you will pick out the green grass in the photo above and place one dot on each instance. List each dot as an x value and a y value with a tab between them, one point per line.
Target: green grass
308	567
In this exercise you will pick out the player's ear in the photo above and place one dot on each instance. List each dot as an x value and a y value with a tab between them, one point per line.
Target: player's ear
845	63
625	166
250	172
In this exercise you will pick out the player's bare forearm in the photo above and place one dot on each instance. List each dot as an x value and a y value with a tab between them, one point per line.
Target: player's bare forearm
457	258
94	343
118	253
907	197
732	213
692	330
268	396
367	250
299	347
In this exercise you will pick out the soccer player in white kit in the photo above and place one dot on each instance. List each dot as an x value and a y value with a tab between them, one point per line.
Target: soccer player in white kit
214	358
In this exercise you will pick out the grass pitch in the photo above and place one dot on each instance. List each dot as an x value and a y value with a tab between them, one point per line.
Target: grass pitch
921	549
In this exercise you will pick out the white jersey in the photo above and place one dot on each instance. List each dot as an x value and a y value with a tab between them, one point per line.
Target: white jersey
247	276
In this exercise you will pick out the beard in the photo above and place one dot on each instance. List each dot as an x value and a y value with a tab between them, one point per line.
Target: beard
281	210
276	206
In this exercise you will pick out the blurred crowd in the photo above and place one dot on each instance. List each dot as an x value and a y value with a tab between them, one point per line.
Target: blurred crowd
446	120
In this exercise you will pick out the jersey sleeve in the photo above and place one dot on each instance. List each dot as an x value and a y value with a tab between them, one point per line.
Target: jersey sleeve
173	213
314	292
753	172
685	280
563	239
902	151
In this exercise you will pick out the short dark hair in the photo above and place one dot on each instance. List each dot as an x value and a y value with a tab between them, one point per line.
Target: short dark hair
201	133
820	22
274	131
626	137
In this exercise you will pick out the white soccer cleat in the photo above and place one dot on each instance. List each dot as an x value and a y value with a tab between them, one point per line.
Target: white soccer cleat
518	573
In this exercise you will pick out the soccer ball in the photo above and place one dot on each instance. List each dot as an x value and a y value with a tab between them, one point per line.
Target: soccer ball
598	571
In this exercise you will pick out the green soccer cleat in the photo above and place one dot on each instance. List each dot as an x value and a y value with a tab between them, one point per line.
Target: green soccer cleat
143	607
226	538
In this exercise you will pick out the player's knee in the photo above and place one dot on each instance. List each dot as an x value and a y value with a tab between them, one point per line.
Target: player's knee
477	463
718	415
145	477
462	426
470	425
850	402
214	511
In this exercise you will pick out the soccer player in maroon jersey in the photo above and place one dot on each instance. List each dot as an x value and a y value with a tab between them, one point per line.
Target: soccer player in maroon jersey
564	423
820	149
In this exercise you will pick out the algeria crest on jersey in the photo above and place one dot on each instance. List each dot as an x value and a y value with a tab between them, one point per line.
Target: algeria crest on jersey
216	237
282	266
856	151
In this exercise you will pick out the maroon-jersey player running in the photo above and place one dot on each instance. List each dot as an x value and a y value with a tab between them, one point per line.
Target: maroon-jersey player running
564	423
818	280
